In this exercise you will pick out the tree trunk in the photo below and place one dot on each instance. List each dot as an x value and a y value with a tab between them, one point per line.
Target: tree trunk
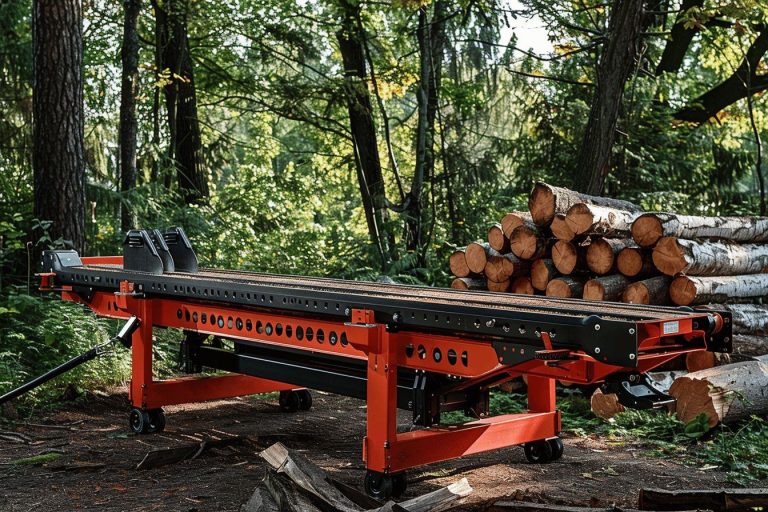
602	252
542	272
58	140
724	394
477	254
633	261
545	201
468	283
649	291
458	264
497	239
511	220
617	62
649	228
566	287
673	256
129	88
690	290
605	288
568	257
560	228
502	267
527	243
590	219
747	318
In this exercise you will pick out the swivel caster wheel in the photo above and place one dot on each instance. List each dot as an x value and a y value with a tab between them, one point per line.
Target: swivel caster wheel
305	399
292	401
557	447
539	452
143	421
382	486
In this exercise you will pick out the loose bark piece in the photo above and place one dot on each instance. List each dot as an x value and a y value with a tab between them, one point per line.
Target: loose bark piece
673	256
511	220
468	283
632	261
703	360
542	272
605	405
568	257
497	239
648	291
747	318
521	285
688	290
649	228
724	394
477	254
527	243
498	287
717	500
605	288
560	228
260	501
505	266
286	496
458	263
601	254
590	219
545	201
565	286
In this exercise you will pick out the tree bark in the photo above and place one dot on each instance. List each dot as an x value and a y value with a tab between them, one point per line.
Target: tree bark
566	287
545	201
128	130
680	38
542	272
602	252
511	220
649	291
58	139
690	290
649	228
617	63
605	288
590	219
673	256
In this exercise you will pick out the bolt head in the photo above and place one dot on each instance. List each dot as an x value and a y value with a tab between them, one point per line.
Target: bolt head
632	357
631	330
597	350
597	327
347	311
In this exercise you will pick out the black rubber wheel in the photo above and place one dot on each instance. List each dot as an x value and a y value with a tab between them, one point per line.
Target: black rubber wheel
289	401
378	485
399	484
539	452
139	421
557	447
305	399
156	420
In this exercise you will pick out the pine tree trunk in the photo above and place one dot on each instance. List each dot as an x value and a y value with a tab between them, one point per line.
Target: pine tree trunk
561	229
690	290
649	228
569	257
477	254
458	263
129	88
527	243
545	201
58	140
673	256
497	239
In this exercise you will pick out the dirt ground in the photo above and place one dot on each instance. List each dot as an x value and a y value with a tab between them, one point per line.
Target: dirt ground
592	472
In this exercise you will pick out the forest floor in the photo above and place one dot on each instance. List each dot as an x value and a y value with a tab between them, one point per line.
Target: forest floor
592	472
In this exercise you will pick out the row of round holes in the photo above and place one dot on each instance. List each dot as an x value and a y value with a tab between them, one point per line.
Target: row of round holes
267	329
437	354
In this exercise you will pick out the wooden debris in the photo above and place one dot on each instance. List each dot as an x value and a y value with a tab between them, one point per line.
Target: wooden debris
703	360
717	500
165	456
673	256
524	506
605	405
260	501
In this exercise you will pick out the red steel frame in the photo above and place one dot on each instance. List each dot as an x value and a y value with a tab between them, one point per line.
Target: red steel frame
384	448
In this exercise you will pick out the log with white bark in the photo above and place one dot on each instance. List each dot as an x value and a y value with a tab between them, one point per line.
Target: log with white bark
458	263
566	287
521	285
505	266
632	261
602	252
560	228
511	220
527	242
747	318
649	228
545	201
497	239
689	290
569	257
724	394
469	283
590	219
605	288
673	256
477	254
648	291
542	272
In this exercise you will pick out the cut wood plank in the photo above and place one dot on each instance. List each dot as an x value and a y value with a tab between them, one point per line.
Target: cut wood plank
747	318
468	283
477	254
497	239
605	288
590	219
542	272
527	243
717	500
521	285
568	257
648	291
545	201
602	252
511	220
566	286
724	394
673	256
458	263
560	228
689	290
505	266
493	286
649	228
632	261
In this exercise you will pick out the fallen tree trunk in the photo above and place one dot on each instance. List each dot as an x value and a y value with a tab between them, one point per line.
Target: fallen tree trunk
469	283
477	256
505	266
688	290
648	291
542	272
747	318
717	500
511	220
649	228
590	219
497	239
560	228
568	257
673	256
521	285
602	252
724	394
632	261
527	243
566	287
458	263
605	288
545	201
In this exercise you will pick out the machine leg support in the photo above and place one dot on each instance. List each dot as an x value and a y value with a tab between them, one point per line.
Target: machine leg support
383	486
146	421
544	450
295	400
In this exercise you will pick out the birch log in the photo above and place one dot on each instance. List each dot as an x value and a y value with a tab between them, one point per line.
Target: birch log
560	228
590	219
602	252
673	256
566	287
747	318
568	257
648	291
521	285
496	238
632	261
511	220
688	290
605	288
724	394
545	201
502	267
468	283
649	228
542	272
527	243
458	263
477	256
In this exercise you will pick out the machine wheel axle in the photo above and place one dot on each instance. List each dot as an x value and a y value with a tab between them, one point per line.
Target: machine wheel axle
544	450
383	486
295	400
146	421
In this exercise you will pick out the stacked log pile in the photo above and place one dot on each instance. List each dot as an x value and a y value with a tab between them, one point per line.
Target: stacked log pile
574	245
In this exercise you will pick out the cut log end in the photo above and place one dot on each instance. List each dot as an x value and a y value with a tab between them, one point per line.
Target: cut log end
541	204
525	243
476	255
496	238
565	256
498	287
594	290
647	230
458	264
542	272
522	285
560	228
630	261
468	283
682	291
565	287
579	218
669	257
511	220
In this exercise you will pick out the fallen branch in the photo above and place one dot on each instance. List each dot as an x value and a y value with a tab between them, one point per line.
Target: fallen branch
165	456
